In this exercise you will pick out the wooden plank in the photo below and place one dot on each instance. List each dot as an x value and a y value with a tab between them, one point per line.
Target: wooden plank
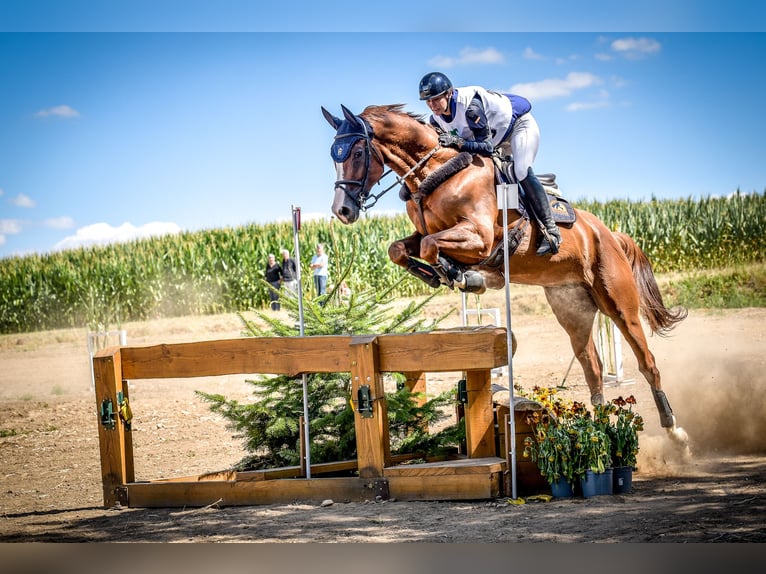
115	445
459	467
236	493
444	350
455	487
373	449
479	414
266	355
435	351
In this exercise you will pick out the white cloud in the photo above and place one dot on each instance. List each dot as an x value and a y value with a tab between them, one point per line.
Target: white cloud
636	47
1	192
556	87
468	55
10	226
580	106
22	200
103	234
64	222
530	54
59	112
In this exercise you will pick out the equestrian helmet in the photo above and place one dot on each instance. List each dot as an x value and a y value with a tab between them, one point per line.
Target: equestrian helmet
433	85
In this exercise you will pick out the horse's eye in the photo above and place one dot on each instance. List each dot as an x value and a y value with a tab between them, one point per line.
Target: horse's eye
357	154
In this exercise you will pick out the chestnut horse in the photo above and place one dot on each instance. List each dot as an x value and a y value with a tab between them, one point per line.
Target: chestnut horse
459	229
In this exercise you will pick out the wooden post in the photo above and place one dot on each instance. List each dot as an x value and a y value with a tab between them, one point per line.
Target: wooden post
372	437
302	443
480	422
116	443
416	383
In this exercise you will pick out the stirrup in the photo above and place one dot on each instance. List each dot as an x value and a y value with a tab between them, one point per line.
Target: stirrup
549	244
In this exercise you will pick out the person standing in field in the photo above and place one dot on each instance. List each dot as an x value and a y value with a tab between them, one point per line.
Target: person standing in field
289	273
273	276
319	269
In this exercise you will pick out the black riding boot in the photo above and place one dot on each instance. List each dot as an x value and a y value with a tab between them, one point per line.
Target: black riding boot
538	200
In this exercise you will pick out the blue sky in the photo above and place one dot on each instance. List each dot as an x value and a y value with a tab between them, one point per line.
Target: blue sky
108	131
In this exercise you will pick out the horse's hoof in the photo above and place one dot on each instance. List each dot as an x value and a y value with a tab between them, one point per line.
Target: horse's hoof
473	282
681	438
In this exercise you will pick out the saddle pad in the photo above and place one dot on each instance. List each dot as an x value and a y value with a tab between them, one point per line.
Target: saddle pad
562	211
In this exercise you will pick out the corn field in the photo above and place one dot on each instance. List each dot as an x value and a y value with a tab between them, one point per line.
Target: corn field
221	270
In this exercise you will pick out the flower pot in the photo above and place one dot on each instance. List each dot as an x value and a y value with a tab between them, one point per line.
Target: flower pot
622	479
562	489
596	483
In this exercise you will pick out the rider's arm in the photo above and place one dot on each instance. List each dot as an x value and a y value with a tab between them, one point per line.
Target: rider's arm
477	121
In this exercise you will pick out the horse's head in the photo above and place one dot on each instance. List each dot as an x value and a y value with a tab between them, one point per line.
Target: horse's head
358	164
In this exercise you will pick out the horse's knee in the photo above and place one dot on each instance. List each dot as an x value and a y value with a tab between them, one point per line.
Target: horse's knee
397	253
429	250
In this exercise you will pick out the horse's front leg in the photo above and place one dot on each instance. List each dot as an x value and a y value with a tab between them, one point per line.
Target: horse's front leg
464	244
403	251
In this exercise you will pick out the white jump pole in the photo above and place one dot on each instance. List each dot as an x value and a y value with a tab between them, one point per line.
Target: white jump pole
508	198
296	217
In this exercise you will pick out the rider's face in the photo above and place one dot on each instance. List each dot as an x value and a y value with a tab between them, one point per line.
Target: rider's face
440	104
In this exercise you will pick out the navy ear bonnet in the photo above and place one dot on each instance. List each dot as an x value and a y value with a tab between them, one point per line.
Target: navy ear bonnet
347	135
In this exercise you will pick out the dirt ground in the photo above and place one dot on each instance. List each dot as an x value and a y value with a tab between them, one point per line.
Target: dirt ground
714	373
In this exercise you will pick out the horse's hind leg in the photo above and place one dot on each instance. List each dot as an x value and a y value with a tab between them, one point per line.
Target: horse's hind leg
619	299
575	311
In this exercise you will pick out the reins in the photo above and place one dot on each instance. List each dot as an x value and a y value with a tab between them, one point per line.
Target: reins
399	179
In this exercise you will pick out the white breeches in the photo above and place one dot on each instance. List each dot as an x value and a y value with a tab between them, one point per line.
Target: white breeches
522	144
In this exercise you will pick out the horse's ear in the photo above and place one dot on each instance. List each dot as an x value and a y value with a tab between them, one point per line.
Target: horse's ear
349	115
331	119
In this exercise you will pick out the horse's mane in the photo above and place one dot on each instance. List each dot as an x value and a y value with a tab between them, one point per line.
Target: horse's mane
380	113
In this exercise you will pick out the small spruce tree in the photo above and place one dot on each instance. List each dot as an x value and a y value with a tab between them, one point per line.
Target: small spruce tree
269	426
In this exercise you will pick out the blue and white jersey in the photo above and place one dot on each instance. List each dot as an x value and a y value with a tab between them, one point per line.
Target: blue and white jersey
497	107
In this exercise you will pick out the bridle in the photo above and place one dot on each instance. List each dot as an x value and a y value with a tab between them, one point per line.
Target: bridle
364	199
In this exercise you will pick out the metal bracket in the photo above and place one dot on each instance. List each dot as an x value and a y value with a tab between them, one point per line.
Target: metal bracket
364	401
462	392
107	414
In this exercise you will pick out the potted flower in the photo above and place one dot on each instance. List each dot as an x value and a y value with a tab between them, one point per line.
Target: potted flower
623	436
551	448
593	457
552	445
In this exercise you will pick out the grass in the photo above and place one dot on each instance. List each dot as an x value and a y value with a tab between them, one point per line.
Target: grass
735	288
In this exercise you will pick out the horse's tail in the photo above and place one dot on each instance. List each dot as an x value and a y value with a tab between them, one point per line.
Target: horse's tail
661	319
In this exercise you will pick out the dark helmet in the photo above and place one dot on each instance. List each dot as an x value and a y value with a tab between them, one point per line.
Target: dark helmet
433	85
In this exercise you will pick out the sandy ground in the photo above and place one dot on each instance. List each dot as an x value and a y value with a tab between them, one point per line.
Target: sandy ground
714	373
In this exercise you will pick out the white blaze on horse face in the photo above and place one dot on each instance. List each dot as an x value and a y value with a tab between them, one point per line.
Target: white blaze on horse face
339	207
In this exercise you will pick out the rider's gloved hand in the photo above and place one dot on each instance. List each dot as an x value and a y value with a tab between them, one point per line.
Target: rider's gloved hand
448	140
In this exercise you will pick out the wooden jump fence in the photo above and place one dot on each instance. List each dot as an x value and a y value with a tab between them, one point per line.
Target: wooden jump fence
478	474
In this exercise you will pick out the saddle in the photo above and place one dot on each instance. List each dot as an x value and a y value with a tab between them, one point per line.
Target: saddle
562	211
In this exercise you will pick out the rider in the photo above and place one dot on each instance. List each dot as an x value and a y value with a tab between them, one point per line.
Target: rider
477	120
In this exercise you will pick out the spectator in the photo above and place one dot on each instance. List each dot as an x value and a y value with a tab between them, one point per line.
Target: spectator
319	268
273	275
289	273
